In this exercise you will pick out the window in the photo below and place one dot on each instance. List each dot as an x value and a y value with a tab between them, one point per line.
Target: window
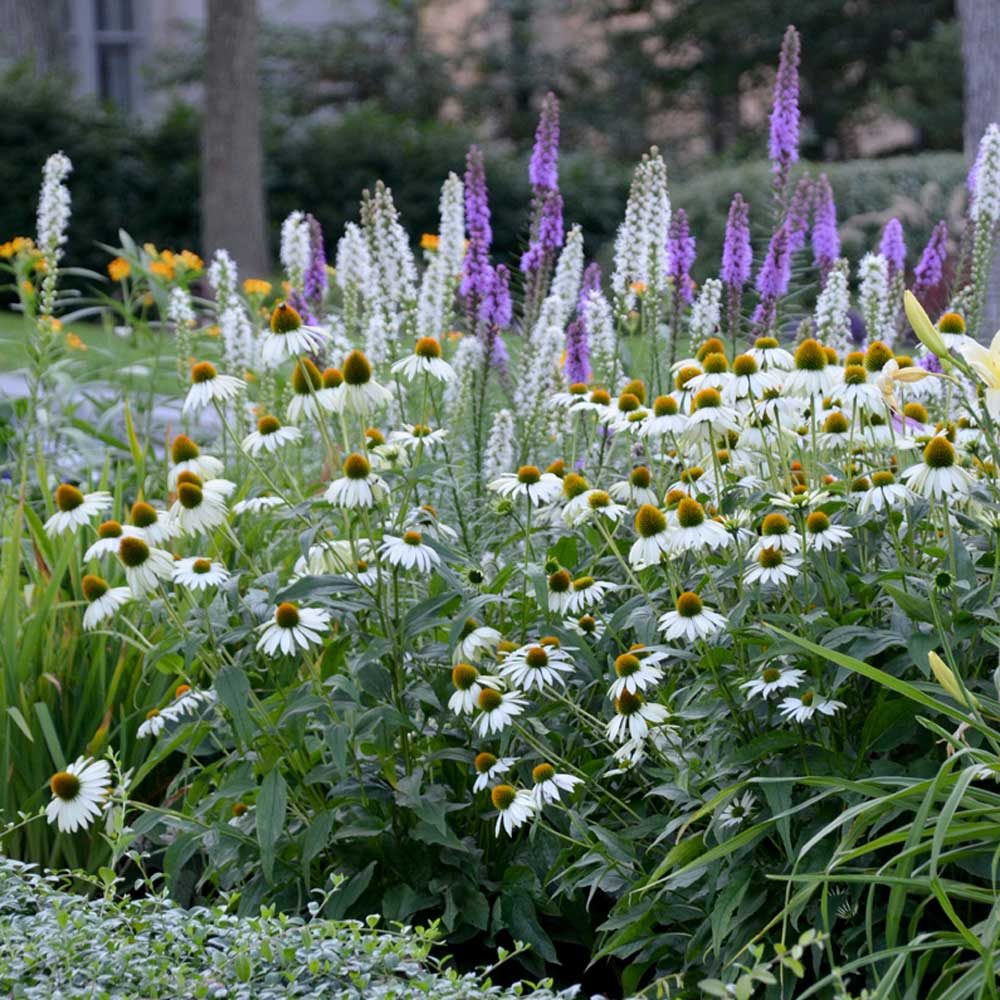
116	43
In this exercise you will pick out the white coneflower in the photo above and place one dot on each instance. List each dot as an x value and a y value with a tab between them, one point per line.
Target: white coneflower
292	628
361	393
666	419
151	524
858	393
409	552
145	566
690	619
812	374
425	518
598	504
586	625
776	532
636	490
200	574
537	664
654	537
359	487
530	482
475	642
296	247
425	360
489	768
514	808
773	677
108	535
585	593
558	587
187	701
550	784
310	395
737	810
633	717
715	374
78	794
632	674
709	414
822	535
770	354
329	557
152	725
74	508
254	505
694	530
937	476
208	386
269	436
199	506
804	707
103	600
469	684
749	381
497	710
287	337
413	436
187	457
772	566
885	494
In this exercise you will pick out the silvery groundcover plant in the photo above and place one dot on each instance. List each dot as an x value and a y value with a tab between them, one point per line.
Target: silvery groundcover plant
646	631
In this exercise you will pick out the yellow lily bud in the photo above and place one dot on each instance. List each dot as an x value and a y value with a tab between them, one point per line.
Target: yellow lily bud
923	327
944	676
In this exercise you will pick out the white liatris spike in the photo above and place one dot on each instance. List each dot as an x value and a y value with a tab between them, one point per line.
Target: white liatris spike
832	319
354	263
539	371
467	361
548	316
706	311
640	246
376	337
223	276
500	445
986	190
394	267
451	246
873	297
54	206
569	271
600	324
239	348
180	308
295	247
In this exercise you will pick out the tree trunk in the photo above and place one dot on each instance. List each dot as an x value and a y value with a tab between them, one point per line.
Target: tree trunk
232	185
980	44
35	31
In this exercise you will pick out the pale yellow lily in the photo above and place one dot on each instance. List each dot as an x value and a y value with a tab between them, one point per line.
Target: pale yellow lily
986	364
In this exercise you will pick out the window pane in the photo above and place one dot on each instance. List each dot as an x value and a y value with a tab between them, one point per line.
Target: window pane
113	15
114	75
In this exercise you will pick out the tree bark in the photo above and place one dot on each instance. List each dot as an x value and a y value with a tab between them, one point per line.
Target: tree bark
232	184
980	43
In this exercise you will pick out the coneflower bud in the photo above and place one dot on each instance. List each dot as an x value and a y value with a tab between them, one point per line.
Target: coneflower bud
357	369
183	449
284	318
68	497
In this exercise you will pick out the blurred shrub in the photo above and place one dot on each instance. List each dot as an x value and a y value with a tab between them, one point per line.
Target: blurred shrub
145	178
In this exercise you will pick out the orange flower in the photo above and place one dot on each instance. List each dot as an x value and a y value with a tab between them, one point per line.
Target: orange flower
191	260
74	342
429	241
257	286
162	269
119	269
639	287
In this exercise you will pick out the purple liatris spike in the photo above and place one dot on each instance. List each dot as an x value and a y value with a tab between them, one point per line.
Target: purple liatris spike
893	247
590	282
315	280
773	277
825	238
798	214
477	274
736	253
783	144
543	170
930	267
931	363
497	307
577	352
681	254
298	301
548	235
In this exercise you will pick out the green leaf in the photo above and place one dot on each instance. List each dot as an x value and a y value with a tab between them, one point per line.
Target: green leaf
51	737
272	805
233	689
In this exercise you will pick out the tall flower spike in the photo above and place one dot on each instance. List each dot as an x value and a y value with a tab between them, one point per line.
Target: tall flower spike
680	255
314	282
825	238
737	256
798	214
893	247
873	297
53	220
783	144
295	248
477	274
772	279
543	170
930	268
985	205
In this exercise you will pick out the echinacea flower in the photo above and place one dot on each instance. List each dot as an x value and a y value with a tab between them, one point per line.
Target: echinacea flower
187	457
310	396
549	784
514	807
690	619
586	592
254	505
776	532
769	353
200	506
822	534
497	710
804	707
102	600
413	436
269	436
359	487
74	509
586	625
475	641
558	588
409	552
812	374
151	524
633	673
145	566
469	683
537	664
108	535
208	386
633	717
78	794
938	476
489	767
200	574
885	494
361	393
694	530
288	337
152	725
737	810
772	565
425	360
292	628
773	677
530	482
